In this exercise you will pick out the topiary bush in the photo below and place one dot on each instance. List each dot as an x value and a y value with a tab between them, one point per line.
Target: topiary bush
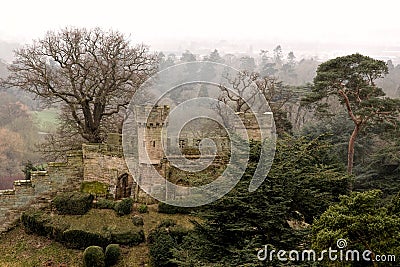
127	237
80	239
40	223
103	203
124	207
112	254
137	220
36	222
93	256
142	208
73	203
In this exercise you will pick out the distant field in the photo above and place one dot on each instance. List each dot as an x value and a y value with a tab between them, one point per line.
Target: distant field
46	120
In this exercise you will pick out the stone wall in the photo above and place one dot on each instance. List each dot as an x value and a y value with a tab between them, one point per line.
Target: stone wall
43	186
105	163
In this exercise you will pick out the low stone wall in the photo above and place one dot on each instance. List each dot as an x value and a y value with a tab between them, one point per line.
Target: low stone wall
43	186
11	202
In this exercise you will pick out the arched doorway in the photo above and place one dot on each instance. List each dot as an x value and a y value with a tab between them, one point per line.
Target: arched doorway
124	187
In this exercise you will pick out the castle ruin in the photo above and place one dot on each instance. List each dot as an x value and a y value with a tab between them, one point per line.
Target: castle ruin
105	163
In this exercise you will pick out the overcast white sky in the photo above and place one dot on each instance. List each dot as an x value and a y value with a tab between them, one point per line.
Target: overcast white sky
153	22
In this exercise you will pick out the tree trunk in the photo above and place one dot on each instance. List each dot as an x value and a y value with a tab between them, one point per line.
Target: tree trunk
350	151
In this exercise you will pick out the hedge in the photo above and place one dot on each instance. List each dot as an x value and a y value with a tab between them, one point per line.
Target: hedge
103	203
73	203
127	237
41	223
79	239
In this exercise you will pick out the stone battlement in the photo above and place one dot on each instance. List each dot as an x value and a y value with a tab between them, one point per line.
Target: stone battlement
151	116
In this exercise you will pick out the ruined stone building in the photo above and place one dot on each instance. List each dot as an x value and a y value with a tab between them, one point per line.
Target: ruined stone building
105	163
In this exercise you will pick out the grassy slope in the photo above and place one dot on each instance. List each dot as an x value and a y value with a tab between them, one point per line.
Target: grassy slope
20	249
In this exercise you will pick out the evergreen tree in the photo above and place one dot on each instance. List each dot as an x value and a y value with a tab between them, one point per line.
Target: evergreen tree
303	182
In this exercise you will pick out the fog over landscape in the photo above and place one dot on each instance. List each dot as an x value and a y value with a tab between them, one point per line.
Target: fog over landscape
308	28
199	133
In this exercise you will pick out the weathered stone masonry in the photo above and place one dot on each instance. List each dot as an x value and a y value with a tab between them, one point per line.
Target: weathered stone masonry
42	187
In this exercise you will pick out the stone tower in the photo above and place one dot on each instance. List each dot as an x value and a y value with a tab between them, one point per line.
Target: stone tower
150	145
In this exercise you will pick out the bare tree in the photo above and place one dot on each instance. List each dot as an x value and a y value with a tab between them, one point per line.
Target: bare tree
92	73
243	92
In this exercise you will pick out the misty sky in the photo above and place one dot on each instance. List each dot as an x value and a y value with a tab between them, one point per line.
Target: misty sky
366	23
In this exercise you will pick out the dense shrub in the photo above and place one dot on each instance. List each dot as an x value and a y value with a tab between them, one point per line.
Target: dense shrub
161	244
113	252
103	203
176	231
73	203
124	207
170	209
166	223
80	239
127	237
142	208
40	223
137	220
36	222
163	240
93	256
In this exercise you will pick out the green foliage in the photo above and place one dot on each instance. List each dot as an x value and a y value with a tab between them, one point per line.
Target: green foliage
363	221
79	239
381	169
351	81
73	203
81	231
137	220
103	203
127	237
170	209
40	223
124	207
166	223
93	256
160	246
94	188
112	254
336	130
303	181
352	75
36	222
142	208
163	241
29	167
